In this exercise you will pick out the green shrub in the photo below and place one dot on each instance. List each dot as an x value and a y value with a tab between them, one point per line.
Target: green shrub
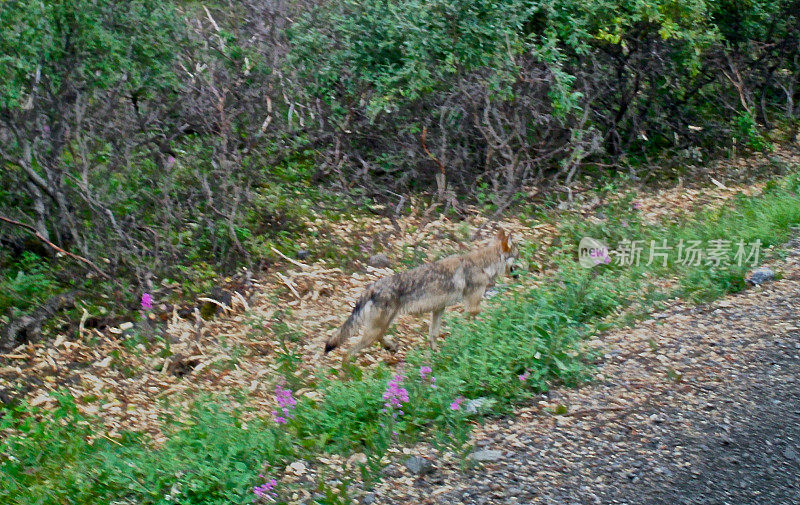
26	282
746	132
210	456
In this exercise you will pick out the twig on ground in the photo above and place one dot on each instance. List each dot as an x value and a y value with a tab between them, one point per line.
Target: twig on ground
290	260
288	284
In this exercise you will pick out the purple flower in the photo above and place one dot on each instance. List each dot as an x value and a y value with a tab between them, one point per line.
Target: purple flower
524	376
456	405
395	394
266	490
147	301
424	373
286	404
637	205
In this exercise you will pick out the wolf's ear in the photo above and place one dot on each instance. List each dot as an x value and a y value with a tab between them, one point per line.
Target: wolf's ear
502	238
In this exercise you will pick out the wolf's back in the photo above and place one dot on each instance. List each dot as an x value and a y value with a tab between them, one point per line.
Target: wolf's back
353	322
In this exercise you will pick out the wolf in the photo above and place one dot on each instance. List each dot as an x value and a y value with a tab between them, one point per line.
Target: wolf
427	288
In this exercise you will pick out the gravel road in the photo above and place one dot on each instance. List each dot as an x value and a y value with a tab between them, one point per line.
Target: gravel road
699	405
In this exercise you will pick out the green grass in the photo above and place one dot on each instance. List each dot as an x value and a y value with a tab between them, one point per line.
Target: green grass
212	456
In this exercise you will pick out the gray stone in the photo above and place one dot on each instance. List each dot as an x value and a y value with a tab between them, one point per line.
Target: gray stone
303	254
761	275
660	470
368	499
379	260
418	465
478	404
487	455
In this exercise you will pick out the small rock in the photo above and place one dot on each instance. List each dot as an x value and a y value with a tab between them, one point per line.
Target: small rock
487	455
791	454
418	465
657	419
303	254
660	470
126	326
368	499
391	471
478	404
379	260
761	275
298	468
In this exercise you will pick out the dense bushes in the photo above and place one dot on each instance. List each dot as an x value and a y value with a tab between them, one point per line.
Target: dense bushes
164	139
529	92
141	136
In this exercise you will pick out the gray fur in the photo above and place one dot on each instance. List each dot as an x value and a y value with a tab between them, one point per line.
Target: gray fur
427	288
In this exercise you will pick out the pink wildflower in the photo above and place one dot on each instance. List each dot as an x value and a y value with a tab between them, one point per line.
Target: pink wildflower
147	301
456	405
286	404
395	395
266	490
524	376
424	373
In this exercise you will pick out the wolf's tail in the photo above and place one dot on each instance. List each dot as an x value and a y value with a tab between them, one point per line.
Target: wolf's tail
353	323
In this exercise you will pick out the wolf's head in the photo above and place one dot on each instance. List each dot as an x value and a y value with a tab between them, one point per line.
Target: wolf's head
508	253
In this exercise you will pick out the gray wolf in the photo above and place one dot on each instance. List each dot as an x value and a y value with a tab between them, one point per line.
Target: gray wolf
428	288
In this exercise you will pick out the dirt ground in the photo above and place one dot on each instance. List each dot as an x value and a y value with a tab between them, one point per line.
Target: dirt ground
130	386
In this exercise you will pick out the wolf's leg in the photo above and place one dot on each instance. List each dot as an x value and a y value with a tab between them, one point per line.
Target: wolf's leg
472	301
435	328
374	329
388	344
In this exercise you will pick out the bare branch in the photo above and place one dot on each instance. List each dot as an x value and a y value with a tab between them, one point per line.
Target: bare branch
38	235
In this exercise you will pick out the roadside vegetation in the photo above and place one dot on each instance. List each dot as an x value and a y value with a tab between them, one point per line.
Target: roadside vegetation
169	147
526	342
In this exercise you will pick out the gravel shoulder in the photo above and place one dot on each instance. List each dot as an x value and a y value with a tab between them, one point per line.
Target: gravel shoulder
698	405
